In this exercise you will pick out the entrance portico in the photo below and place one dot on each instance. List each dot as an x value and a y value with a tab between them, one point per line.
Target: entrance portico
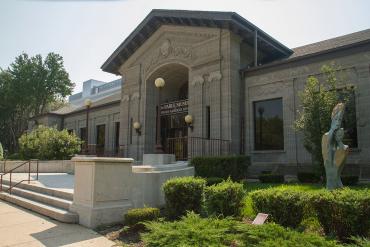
199	58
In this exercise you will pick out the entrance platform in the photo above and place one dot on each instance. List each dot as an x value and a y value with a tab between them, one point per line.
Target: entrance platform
56	181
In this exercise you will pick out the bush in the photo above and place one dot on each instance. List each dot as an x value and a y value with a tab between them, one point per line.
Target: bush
48	144
308	177
184	194
343	213
272	235
285	206
349	180
1	152
136	217
213	181
222	167
271	178
194	231
225	198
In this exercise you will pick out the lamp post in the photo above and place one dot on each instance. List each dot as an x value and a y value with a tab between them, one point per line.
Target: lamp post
159	83
88	105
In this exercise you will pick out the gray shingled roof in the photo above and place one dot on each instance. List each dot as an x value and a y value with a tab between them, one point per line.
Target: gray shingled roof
216	19
325	46
333	43
116	97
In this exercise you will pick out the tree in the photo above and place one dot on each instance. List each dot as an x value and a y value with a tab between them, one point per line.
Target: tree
318	99
27	87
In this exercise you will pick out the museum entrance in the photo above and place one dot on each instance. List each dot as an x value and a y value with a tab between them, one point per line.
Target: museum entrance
171	108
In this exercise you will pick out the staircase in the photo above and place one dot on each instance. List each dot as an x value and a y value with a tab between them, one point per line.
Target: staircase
49	202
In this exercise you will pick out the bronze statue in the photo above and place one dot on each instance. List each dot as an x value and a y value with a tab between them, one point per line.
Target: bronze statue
334	152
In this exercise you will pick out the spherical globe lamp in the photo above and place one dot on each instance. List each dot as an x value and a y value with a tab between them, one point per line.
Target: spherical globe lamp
159	82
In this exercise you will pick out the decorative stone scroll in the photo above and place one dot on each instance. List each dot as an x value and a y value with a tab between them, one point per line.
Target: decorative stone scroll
214	76
168	51
135	96
125	98
197	80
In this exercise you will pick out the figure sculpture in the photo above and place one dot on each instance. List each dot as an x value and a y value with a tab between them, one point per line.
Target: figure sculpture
334	152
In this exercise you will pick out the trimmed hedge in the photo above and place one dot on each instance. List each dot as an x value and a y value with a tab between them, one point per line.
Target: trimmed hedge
308	177
285	207
225	198
224	167
184	194
271	178
194	231
343	213
136	217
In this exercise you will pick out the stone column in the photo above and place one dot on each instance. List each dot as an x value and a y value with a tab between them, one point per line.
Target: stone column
102	189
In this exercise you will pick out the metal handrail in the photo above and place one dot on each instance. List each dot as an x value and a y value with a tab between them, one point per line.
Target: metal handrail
11	173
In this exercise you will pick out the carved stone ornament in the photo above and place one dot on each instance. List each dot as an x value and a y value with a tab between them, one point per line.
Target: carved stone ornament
135	96
197	80
168	51
165	48
125	98
214	76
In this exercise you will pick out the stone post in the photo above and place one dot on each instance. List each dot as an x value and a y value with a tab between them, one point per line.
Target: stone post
102	189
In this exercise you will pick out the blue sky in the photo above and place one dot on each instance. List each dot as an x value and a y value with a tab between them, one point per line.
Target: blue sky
86	32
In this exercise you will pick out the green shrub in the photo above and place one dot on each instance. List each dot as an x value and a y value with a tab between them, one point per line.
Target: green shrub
343	213
190	231
272	235
285	206
271	178
225	198
184	194
1	152
194	231
348	180
311	225
308	177
136	217
213	181
222	167
14	156
359	242
48	144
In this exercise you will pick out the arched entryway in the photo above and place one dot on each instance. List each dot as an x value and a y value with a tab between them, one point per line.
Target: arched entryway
170	104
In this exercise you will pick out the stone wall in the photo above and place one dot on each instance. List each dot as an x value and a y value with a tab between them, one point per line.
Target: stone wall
45	166
286	81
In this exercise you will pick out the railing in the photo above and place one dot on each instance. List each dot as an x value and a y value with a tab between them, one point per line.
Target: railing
10	172
99	151
186	148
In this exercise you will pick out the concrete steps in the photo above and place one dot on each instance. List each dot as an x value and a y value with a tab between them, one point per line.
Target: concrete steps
52	203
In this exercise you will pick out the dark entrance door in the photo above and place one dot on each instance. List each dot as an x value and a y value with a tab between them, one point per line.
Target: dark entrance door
174	131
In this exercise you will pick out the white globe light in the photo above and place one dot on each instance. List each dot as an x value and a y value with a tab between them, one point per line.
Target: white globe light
137	125
188	119
88	102
159	82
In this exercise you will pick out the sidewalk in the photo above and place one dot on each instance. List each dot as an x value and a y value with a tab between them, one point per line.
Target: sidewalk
20	227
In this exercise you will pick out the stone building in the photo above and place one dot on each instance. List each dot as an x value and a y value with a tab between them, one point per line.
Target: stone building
237	86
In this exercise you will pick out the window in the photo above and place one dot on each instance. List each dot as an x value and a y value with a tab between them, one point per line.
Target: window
83	135
116	140
208	122
268	124
349	118
100	136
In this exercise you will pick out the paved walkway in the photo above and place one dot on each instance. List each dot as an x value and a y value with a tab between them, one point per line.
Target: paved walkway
20	227
57	181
